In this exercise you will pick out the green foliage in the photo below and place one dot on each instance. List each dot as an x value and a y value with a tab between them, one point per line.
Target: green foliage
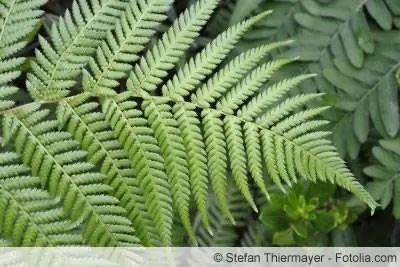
305	215
18	19
356	58
385	172
121	168
73	39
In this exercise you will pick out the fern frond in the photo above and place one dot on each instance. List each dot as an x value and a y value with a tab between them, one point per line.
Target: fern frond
270	96
309	154
18	18
237	156
56	159
118	52
138	141
128	164
154	66
202	65
189	125
30	216
88	126
72	41
169	138
336	39
232	73
217	158
274	115
254	157
249	85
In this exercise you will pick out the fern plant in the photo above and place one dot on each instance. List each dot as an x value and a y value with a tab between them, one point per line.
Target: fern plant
85	163
353	46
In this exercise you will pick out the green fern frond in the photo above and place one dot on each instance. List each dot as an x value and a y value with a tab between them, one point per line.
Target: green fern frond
232	73
137	138
18	18
88	126
148	74
217	158
127	165
249	85
254	157
56	159
202	65
270	96
337	40
190	127
237	157
173	151
73	39
30	216
118	52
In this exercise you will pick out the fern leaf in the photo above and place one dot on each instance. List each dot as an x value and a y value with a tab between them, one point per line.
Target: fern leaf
249	85
265	99
147	153
167	133
118	52
237	157
253	152
346	50
61	166
232	73
30	216
72	40
148	74
138	141
88	126
282	110
18	18
217	159
312	155
189	125
193	72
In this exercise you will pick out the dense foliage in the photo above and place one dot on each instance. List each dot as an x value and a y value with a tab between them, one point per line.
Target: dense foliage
157	122
353	46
